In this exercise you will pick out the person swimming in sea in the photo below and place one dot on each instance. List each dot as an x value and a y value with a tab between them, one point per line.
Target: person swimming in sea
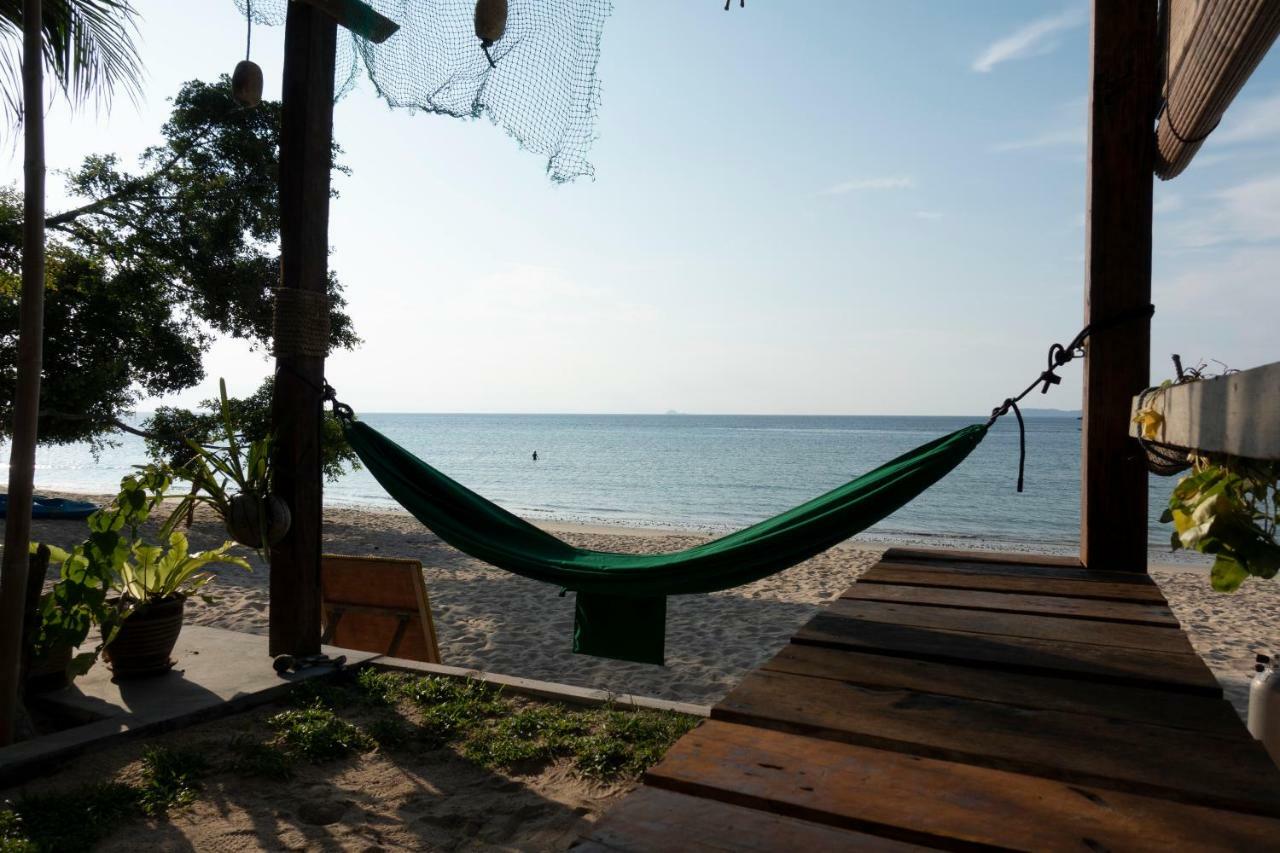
535	456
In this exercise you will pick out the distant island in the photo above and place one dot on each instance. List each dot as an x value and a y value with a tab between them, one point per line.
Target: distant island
1052	413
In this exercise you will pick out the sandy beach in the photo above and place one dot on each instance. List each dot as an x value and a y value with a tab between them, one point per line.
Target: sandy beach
491	620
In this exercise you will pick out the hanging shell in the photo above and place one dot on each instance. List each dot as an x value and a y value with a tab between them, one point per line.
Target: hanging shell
246	83
491	20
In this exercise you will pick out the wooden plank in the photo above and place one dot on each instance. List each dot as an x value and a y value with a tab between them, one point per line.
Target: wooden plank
1210	716
1124	93
929	801
1183	673
1230	772
1012	583
660	821
994	558
1237	414
306	134
1114	634
1008	602
1021	571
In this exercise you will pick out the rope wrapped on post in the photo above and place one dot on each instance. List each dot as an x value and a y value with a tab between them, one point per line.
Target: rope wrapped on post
300	326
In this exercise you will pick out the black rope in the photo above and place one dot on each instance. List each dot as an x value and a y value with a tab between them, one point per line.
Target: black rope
1059	355
1185	140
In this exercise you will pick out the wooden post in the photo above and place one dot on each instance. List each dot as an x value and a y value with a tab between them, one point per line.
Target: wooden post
1122	111
26	399
306	135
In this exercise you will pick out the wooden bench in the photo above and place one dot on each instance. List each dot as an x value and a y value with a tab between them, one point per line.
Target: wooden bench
377	604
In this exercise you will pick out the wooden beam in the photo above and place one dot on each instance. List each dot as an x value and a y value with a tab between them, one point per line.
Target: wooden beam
1236	415
1122	107
359	17
26	398
306	136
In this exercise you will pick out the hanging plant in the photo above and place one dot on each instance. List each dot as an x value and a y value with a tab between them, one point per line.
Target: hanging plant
234	480
1226	506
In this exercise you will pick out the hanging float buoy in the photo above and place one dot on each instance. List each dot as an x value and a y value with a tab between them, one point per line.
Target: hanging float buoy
246	83
491	24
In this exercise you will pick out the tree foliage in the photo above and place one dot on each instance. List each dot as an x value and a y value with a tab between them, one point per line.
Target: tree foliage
252	414
154	265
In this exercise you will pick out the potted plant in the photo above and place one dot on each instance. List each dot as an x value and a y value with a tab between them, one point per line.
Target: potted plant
133	590
235	481
65	615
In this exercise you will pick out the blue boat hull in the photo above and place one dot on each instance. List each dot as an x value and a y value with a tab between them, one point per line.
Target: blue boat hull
53	508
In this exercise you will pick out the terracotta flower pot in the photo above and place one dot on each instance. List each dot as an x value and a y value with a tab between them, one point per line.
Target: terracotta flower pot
49	672
146	638
243	519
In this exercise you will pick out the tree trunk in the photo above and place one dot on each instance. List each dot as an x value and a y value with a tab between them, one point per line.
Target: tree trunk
26	399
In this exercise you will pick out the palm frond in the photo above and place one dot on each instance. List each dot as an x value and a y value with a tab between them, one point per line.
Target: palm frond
88	50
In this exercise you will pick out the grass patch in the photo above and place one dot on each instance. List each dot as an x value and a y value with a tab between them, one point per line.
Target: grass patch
319	734
322	693
252	757
170	778
66	822
377	687
390	710
390	732
626	743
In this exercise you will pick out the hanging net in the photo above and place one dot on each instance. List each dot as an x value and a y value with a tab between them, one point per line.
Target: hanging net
541	86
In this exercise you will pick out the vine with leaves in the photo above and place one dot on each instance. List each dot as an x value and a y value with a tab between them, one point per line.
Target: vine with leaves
1228	507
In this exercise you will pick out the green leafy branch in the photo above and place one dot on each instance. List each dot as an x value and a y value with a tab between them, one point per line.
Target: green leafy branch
1229	508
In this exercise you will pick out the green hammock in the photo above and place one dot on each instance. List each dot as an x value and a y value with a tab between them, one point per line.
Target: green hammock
621	598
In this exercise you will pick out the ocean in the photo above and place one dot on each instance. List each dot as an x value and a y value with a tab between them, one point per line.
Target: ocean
711	473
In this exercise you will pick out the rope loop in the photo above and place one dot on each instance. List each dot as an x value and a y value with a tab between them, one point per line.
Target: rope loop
341	411
1058	356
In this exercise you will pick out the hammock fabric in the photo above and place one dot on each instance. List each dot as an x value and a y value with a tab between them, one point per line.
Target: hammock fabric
621	598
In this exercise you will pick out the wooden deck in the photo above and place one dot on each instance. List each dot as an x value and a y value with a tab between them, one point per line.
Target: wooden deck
952	700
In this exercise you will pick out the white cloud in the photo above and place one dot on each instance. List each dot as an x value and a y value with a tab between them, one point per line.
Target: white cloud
1033	39
1245	213
1066	128
1064	137
882	183
1253	120
1218	309
1166	202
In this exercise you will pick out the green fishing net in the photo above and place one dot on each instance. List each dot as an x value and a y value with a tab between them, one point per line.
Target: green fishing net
541	88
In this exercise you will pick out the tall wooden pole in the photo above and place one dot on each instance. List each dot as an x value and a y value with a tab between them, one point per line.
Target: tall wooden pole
26	398
1122	110
306	134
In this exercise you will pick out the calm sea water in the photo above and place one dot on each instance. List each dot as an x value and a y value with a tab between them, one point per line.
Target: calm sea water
710	473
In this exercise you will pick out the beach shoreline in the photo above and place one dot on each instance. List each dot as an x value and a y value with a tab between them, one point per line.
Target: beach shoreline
494	621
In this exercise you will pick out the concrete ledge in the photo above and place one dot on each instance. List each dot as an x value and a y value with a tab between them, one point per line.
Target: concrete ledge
217	673
542	689
1237	414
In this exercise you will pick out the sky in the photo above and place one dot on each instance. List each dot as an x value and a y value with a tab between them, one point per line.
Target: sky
820	207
